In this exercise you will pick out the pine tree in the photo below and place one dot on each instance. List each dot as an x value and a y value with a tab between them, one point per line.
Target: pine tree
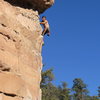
80	89
64	92
99	91
49	91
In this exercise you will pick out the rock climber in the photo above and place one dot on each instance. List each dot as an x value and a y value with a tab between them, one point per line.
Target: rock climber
46	26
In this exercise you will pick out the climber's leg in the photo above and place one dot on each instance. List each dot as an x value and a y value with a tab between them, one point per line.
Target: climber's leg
48	32
44	31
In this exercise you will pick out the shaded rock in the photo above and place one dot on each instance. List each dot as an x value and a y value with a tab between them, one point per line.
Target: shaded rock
38	5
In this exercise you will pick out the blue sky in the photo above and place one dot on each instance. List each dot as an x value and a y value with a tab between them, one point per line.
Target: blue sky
73	48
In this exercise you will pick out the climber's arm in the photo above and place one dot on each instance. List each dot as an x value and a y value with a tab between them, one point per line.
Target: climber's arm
43	22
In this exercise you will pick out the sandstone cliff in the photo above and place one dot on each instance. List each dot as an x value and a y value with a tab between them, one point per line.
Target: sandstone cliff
20	49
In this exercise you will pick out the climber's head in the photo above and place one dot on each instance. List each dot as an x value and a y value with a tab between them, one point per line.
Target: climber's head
43	18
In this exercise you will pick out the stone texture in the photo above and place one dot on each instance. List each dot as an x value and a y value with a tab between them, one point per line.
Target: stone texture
4	97
39	5
20	53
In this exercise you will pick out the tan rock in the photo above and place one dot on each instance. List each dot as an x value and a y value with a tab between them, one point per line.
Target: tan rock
20	52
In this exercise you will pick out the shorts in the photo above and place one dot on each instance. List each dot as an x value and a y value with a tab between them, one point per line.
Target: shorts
47	31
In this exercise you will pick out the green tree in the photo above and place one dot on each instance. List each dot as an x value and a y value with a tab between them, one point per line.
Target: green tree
99	91
64	92
49	91
92	98
47	77
80	89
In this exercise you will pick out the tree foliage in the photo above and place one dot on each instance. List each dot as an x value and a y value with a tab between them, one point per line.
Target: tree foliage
99	91
78	91
79	88
64	92
50	91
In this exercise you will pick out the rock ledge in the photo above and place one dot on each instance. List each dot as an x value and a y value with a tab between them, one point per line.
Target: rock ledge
39	5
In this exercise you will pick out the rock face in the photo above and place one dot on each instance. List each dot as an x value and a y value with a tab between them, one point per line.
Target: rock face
39	5
20	52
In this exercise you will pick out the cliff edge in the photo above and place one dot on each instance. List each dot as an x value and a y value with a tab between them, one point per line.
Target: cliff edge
20	49
36	5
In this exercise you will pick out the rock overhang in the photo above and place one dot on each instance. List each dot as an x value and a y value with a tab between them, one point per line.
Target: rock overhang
38	5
